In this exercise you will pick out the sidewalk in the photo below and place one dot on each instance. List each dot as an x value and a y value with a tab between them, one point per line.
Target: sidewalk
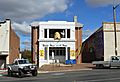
63	67
59	68
3	72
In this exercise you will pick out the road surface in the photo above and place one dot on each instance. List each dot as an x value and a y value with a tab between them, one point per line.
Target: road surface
95	75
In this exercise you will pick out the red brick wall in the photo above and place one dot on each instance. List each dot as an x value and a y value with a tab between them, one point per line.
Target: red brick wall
34	37
78	44
14	46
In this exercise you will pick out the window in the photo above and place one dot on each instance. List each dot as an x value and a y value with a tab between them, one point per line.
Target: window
16	63
68	33
115	58
45	33
58	51
60	31
45	53
68	49
23	62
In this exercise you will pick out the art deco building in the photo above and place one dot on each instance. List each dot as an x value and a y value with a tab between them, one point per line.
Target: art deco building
54	41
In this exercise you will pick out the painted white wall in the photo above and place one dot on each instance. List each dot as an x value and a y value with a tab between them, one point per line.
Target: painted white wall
4	39
64	42
109	40
4	36
57	25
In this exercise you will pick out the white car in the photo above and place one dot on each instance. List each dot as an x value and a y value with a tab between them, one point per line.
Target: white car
113	62
21	67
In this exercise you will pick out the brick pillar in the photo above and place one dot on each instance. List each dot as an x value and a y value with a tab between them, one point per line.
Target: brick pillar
78	44
78	38
35	45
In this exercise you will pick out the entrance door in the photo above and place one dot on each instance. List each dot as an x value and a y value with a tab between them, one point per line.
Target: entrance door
59	53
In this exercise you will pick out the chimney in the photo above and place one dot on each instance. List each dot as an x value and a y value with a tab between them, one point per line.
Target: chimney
75	19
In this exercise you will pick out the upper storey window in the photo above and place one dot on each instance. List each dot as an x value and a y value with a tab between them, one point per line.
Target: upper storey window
45	33
57	33
68	33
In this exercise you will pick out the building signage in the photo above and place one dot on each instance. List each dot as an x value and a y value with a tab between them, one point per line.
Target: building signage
72	53
42	54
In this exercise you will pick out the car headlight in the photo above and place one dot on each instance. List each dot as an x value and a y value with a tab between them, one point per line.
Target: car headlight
25	67
34	66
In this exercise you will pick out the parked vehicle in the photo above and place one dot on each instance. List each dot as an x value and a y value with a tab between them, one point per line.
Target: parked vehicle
21	67
113	62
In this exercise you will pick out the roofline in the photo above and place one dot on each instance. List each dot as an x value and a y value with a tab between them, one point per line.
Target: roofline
110	22
93	33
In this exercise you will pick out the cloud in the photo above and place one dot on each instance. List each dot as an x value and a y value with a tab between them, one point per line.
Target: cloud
30	9
87	33
26	44
22	28
23	12
102	3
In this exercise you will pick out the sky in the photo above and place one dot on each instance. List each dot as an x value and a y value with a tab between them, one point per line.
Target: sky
91	13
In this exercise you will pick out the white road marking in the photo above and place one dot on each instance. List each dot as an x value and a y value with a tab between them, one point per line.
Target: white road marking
58	74
100	80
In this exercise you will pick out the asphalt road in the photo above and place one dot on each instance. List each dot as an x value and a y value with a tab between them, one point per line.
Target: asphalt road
95	75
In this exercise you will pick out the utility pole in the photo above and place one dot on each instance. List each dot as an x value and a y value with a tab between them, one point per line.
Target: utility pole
114	18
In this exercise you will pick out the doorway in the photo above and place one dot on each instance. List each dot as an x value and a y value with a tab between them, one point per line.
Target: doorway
58	53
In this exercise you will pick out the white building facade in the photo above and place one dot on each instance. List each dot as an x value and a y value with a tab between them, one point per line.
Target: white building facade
56	41
109	40
9	43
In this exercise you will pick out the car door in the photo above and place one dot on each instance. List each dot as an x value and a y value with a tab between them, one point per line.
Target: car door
15	66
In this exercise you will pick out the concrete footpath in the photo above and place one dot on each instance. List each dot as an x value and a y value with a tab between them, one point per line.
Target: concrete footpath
59	68
63	67
3	72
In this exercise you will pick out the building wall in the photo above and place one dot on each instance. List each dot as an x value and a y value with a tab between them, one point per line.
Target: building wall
34	44
78	44
93	47
9	43
58	25
4	42
71	45
109	40
14	49
103	43
51	42
4	35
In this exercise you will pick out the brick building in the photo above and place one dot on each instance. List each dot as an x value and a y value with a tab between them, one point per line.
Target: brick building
56	40
9	44
101	44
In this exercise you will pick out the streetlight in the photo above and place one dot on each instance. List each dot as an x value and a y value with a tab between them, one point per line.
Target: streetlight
114	18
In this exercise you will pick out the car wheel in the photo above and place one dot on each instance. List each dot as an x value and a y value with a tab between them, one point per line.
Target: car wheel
101	66
34	73
97	66
9	72
20	73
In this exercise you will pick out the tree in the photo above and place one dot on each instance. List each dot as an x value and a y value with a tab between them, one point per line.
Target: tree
26	54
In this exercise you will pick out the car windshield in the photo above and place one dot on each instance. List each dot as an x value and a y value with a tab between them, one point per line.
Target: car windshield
23	62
